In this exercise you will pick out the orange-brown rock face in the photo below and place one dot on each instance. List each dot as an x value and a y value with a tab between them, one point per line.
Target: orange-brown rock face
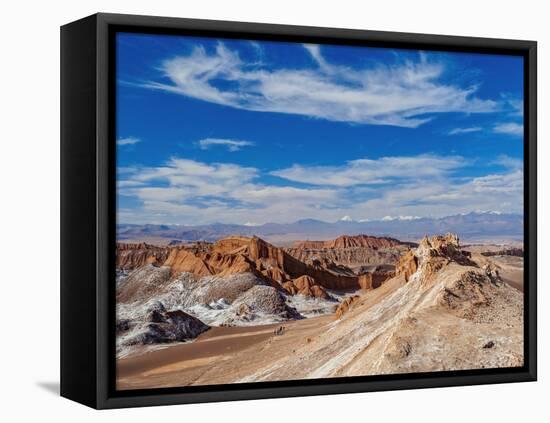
231	245
365	281
227	264
346	241
432	253
241	264
275	263
350	251
132	256
234	255
181	260
407	266
374	279
379	277
306	285
276	274
345	305
304	282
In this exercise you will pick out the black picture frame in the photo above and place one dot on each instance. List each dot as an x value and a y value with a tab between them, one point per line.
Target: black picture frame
88	210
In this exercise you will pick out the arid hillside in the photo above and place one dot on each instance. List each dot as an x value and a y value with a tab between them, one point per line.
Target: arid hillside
445	309
234	281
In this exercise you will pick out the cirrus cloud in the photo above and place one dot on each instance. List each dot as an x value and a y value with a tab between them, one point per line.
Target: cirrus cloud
369	171
509	128
405	94
127	141
230	145
457	131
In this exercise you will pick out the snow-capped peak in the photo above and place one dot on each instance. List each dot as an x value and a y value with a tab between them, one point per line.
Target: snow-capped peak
390	218
346	219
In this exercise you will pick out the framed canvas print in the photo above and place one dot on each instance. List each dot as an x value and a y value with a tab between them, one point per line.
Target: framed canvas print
256	211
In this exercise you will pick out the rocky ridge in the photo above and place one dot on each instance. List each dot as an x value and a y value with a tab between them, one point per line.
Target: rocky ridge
355	252
234	255
234	281
346	241
442	299
132	256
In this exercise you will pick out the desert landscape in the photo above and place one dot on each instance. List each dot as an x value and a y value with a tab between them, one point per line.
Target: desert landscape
243	310
290	211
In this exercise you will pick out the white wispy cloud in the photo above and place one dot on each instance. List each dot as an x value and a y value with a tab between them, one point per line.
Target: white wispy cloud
230	145
368	171
315	51
500	192
193	192
183	185
469	130
185	179
509	128
404	94
128	183
508	162
513	105
127	141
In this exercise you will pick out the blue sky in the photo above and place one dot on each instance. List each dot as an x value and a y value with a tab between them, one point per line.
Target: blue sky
249	132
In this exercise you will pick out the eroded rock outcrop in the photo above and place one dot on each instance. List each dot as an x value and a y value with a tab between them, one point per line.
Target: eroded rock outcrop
234	255
374	279
181	260
132	256
159	325
346	241
306	285
407	266
431	254
238	254
346	305
260	301
350	251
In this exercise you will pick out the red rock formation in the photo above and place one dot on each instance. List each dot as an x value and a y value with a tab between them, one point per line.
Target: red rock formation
346	305
346	241
306	285
181	260
380	276
374	279
132	256
304	282
432	253
308	245
350	251
227	264
234	255
365	281
276	264
407	266
276	274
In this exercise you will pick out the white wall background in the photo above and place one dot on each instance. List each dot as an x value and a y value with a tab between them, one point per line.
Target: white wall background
29	232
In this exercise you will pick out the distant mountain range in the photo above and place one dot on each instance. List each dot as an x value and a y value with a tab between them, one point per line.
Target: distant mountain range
475	226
